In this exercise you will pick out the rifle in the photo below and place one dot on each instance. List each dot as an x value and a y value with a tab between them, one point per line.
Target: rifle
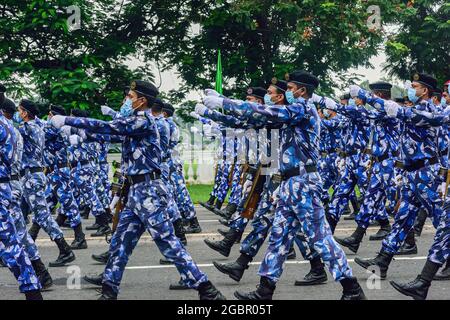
255	195
120	190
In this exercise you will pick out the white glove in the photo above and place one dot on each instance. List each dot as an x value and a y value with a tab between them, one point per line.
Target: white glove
194	129
66	130
341	165
107	111
391	108
398	180
213	102
200	109
212	92
330	104
354	89
207	130
194	115
441	188
58	121
74	140
114	202
247	186
316	98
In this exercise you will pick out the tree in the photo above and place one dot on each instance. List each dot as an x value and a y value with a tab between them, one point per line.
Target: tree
422	41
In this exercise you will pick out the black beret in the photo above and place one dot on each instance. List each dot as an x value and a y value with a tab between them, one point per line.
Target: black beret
303	78
279	84
158	103
425	79
437	93
9	106
380	85
169	109
57	110
257	92
144	88
345	96
29	106
399	100
79	113
2	88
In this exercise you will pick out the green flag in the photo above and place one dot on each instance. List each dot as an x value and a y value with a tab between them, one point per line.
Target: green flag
219	74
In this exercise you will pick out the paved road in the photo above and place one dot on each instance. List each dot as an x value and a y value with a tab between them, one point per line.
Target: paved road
146	279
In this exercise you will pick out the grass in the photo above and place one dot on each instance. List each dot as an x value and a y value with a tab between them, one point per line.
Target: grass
199	192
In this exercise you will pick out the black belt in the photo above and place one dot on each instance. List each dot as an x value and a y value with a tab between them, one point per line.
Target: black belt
267	165
31	170
296	171
59	166
344	154
75	163
367	151
15	177
385	156
416	165
4	180
134	179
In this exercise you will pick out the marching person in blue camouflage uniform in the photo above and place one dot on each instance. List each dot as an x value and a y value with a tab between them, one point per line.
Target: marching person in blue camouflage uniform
146	208
420	153
299	204
183	198
9	108
58	176
11	249
383	149
34	181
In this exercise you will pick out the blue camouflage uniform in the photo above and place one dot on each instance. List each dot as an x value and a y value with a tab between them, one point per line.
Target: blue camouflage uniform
146	208
34	183
11	249
299	205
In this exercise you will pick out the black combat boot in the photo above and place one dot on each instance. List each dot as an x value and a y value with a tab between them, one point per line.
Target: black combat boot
96	280
353	241
291	254
351	216
33	295
331	222
194	226
65	254
444	273
420	222
60	219
227	212
418	288
208	204
316	275
207	291
44	277
2	263
179	231
235	270
107	293
34	231
84	212
264	291
223	233
224	222
218	205
80	240
409	247
385	229
101	258
224	246
180	285
382	261
95	226
104	228
352	290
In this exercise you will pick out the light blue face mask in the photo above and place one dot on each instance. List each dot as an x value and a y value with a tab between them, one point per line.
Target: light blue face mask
412	95
268	100
17	118
443	102
351	102
290	97
126	109
326	113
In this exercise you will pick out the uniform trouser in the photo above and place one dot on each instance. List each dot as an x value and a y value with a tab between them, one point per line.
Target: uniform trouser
11	250
222	188
236	186
146	209
217	178
82	176
102	194
104	176
299	207
373	207
440	249
23	236
328	172
419	190
263	221
354	174
63	187
34	192
172	207
182	196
